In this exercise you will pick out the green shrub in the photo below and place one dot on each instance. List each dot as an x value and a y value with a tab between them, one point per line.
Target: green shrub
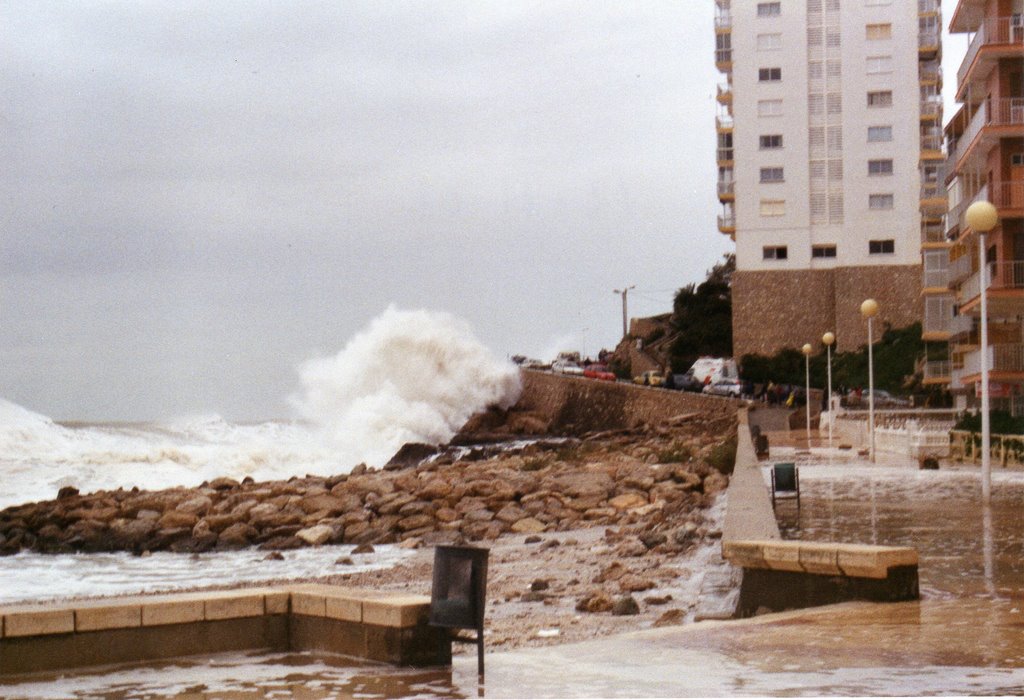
674	453
723	456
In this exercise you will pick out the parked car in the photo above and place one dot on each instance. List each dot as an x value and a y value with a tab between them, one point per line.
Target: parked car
566	367
599	372
725	387
687	382
651	377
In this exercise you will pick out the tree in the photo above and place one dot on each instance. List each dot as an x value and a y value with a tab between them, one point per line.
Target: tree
702	317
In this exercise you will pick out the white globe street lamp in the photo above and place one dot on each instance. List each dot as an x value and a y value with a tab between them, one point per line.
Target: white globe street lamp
829	339
869	309
982	217
807	350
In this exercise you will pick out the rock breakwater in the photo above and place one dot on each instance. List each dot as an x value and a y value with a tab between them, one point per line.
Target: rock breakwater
658	479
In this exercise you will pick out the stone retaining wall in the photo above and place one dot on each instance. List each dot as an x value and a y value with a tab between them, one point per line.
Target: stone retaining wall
577	405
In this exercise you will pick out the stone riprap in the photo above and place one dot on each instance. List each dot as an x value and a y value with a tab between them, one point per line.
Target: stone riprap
658	478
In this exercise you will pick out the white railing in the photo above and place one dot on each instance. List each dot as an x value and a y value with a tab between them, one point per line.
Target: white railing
726	187
723	20
959	325
1008	274
997	30
1008	194
726	221
959	268
914	433
723	121
970	288
931	107
724	91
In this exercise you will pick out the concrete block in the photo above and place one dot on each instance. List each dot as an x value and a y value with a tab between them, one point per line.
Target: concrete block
819	558
782	555
172	611
873	562
107	616
309	603
744	553
344	607
397	611
276	602
29	622
232	604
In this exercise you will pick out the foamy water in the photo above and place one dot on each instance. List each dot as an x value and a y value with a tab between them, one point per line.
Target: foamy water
411	376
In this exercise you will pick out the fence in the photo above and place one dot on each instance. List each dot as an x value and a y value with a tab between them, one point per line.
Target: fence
1005	450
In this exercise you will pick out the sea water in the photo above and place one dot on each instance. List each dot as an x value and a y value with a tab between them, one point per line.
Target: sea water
410	376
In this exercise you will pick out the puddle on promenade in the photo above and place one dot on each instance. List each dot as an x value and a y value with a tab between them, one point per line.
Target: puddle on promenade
964	637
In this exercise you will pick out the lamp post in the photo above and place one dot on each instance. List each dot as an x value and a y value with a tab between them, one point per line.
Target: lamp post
807	350
829	338
869	309
982	217
624	292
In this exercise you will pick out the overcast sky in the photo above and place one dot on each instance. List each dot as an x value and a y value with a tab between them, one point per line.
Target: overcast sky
198	196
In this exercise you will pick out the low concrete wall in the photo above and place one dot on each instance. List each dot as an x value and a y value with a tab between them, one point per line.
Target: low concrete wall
584	405
783	575
372	625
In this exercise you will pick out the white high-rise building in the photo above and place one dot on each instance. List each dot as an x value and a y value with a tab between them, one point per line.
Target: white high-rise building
830	159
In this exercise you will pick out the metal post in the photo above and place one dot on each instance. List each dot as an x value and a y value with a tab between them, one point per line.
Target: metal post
986	430
831	413
625	314
871	390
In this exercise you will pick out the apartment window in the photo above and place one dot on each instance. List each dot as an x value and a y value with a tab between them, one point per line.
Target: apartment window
823	251
769	75
880	98
773	207
880	201
775	252
877	134
876	32
769	42
769	108
879	64
770	142
880	167
881	247
769	9
772	175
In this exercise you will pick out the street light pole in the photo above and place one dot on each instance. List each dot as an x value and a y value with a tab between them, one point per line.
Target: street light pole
982	217
869	309
829	338
807	350
625	315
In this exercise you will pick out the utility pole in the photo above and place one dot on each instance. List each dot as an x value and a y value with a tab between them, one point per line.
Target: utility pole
625	314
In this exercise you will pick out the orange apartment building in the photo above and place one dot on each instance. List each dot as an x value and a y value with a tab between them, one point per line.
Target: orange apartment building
985	161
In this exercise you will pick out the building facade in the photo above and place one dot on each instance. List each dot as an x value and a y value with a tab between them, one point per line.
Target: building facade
829	163
985	147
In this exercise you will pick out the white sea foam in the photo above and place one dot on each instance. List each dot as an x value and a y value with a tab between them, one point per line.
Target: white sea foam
410	376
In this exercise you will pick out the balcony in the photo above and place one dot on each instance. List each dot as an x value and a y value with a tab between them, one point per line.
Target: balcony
931	109
958	213
936	279
931	146
929	42
723	60
933	197
959	269
724	123
725	157
929	73
724	93
1008	274
723	21
933	232
1008	357
937	371
961	325
1003	279
1008	195
928	7
727	223
938	313
726	190
1000	35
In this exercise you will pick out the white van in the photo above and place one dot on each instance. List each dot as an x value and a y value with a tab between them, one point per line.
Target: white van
709	370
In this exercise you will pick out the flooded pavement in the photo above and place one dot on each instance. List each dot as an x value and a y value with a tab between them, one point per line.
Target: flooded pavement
964	637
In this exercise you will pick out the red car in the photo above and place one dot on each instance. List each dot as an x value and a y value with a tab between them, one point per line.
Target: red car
599	372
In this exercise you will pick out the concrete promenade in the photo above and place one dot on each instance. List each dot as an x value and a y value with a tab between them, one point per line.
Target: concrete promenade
749	515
